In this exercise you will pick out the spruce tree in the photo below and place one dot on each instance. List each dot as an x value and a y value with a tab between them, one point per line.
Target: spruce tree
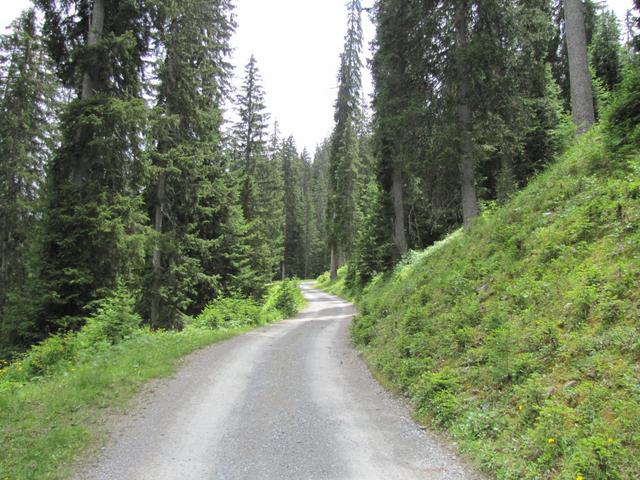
260	177
250	133
403	104
293	256
462	93
310	229
605	51
343	164
200	242
535	91
580	78
373	248
318	254
92	219
28	131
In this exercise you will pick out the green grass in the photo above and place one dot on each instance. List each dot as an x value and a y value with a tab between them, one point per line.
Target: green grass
336	287
54	402
521	338
44	425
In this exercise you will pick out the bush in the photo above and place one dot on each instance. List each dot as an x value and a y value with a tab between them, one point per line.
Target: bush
288	298
283	300
229	313
47	356
623	117
115	319
436	395
323	279
285	297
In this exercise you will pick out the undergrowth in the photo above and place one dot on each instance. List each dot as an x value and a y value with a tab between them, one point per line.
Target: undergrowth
521	337
53	399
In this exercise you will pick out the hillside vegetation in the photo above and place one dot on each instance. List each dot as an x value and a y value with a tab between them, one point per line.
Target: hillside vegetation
521	337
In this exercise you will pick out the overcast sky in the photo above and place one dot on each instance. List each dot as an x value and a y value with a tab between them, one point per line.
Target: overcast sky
297	44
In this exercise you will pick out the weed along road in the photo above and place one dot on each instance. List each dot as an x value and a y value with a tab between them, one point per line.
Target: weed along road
288	401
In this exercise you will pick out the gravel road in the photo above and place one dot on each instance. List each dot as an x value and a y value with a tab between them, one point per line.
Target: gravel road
288	401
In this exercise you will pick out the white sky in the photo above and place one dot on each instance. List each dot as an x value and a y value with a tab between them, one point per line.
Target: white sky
297	45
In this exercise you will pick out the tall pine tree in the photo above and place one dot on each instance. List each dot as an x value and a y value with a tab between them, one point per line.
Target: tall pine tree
92	216
605	50
293	261
579	75
199	248
260	177
28	124
344	157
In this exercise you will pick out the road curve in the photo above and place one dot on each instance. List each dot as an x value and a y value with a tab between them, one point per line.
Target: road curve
288	401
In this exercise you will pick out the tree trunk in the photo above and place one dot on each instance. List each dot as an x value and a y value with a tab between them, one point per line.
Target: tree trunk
399	231
506	179
96	27
306	261
467	164
333	272
89	83
579	75
156	298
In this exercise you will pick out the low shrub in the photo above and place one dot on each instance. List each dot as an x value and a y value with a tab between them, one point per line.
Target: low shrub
283	299
286	298
115	319
47	356
229	313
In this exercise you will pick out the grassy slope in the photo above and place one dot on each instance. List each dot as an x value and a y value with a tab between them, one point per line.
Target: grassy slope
521	338
47	423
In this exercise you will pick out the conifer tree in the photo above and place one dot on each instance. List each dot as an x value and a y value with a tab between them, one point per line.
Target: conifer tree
536	100
604	50
261	178
580	78
343	163
373	249
28	93
293	261
250	133
464	113
319	256
310	231
92	219
200	244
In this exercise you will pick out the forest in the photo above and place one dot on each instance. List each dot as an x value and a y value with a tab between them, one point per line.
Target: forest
121	169
140	192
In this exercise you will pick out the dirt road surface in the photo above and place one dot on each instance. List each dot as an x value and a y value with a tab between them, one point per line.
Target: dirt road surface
292	400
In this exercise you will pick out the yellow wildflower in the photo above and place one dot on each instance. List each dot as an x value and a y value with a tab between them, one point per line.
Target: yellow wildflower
551	441
579	477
